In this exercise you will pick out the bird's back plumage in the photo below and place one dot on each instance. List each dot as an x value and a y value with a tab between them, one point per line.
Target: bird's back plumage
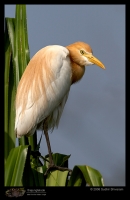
43	89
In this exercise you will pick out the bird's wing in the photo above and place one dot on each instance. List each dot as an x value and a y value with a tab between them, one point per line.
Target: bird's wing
43	87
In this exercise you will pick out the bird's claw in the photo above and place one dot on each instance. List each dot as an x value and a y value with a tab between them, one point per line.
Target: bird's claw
49	168
56	167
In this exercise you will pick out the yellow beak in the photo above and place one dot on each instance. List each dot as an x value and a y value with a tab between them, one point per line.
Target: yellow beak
94	60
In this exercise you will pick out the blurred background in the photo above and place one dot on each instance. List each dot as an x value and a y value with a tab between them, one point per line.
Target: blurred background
92	126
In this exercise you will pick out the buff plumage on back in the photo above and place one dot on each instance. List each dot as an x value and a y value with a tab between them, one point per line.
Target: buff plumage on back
43	89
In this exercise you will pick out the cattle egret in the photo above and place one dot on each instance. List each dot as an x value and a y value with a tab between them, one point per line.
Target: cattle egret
45	84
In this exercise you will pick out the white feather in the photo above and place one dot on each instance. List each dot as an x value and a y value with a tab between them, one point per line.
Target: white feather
50	101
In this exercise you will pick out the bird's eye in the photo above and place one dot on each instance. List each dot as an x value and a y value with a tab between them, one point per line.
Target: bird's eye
82	52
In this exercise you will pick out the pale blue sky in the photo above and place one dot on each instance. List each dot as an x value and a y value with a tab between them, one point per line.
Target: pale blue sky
92	127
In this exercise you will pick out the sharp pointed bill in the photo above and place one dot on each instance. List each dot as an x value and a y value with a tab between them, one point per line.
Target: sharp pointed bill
94	60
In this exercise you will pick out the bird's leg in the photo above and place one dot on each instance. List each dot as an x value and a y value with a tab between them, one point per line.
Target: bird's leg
51	165
45	128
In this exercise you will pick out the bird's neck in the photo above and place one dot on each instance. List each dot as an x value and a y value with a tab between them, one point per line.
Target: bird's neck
77	72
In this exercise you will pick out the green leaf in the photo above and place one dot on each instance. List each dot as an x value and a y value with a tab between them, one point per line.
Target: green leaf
38	171
59	159
22	57
77	178
11	105
38	145
33	141
89	174
57	178
9	137
21	49
28	179
15	164
11	29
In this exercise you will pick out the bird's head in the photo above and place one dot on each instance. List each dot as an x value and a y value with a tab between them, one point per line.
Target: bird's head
81	53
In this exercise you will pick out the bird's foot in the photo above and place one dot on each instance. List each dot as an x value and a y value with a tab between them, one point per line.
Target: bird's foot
52	167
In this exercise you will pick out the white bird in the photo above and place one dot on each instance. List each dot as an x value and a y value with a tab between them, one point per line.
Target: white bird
45	84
